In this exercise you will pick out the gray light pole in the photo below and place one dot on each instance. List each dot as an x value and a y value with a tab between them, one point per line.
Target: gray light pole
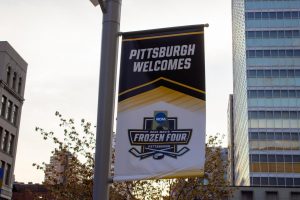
109	52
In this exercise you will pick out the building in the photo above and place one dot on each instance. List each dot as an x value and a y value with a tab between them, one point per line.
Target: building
12	83
30	191
55	172
266	99
265	193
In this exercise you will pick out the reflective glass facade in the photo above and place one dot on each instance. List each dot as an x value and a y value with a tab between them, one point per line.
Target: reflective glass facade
272	31
240	123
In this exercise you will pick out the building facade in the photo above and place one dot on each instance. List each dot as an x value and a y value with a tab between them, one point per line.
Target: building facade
265	193
56	171
12	83
271	35
30	191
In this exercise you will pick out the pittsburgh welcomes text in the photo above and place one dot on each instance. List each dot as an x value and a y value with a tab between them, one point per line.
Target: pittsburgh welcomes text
177	57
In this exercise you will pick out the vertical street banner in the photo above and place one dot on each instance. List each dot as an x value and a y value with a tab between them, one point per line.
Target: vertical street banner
161	104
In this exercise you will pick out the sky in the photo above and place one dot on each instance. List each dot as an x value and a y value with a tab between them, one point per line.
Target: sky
60	40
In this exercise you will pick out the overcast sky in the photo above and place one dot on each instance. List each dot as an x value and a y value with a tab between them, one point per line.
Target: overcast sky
60	40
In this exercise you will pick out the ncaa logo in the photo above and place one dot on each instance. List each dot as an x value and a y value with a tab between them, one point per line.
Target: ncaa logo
160	118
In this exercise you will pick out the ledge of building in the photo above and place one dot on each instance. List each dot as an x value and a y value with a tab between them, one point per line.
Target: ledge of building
6	47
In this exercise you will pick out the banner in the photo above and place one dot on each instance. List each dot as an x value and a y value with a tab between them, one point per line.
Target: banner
1	177
161	104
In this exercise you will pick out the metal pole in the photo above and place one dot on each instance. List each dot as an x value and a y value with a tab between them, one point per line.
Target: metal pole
109	52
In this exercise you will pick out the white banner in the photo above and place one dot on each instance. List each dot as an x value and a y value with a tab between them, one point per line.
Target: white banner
161	109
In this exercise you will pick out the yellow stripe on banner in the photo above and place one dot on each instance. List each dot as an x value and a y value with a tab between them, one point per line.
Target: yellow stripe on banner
162	78
190	174
163	36
162	94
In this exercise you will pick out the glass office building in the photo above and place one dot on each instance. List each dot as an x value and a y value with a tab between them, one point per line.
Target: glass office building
271	32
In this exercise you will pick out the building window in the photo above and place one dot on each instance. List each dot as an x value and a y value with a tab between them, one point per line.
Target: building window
271	195
295	195
14	84
282	53
9	110
3	105
11	144
5	141
20	85
1	136
272	15
7	174
247	195
8	72
15	115
2	164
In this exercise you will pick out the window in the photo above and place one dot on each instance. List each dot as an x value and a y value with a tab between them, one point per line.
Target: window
297	183
273	34
263	158
14	81
250	34
9	110
275	73
292	93
296	33
250	15
257	15
270	135
273	53
272	181
15	115
3	105
264	181
279	158
291	73
281	181
295	195
2	164
294	136
283	73
271	195
20	85
296	158
254	158
7	174
260	73
271	158
289	181
11	144
5	141
295	15
287	15
254	136
280	34
265	15
288	158
272	15
247	195
279	15
268	73
8	72
256	181
1	136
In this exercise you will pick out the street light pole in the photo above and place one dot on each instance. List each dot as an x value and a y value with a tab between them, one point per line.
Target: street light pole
106	97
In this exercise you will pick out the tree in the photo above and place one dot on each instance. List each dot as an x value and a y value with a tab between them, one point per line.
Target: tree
74	179
74	153
213	186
